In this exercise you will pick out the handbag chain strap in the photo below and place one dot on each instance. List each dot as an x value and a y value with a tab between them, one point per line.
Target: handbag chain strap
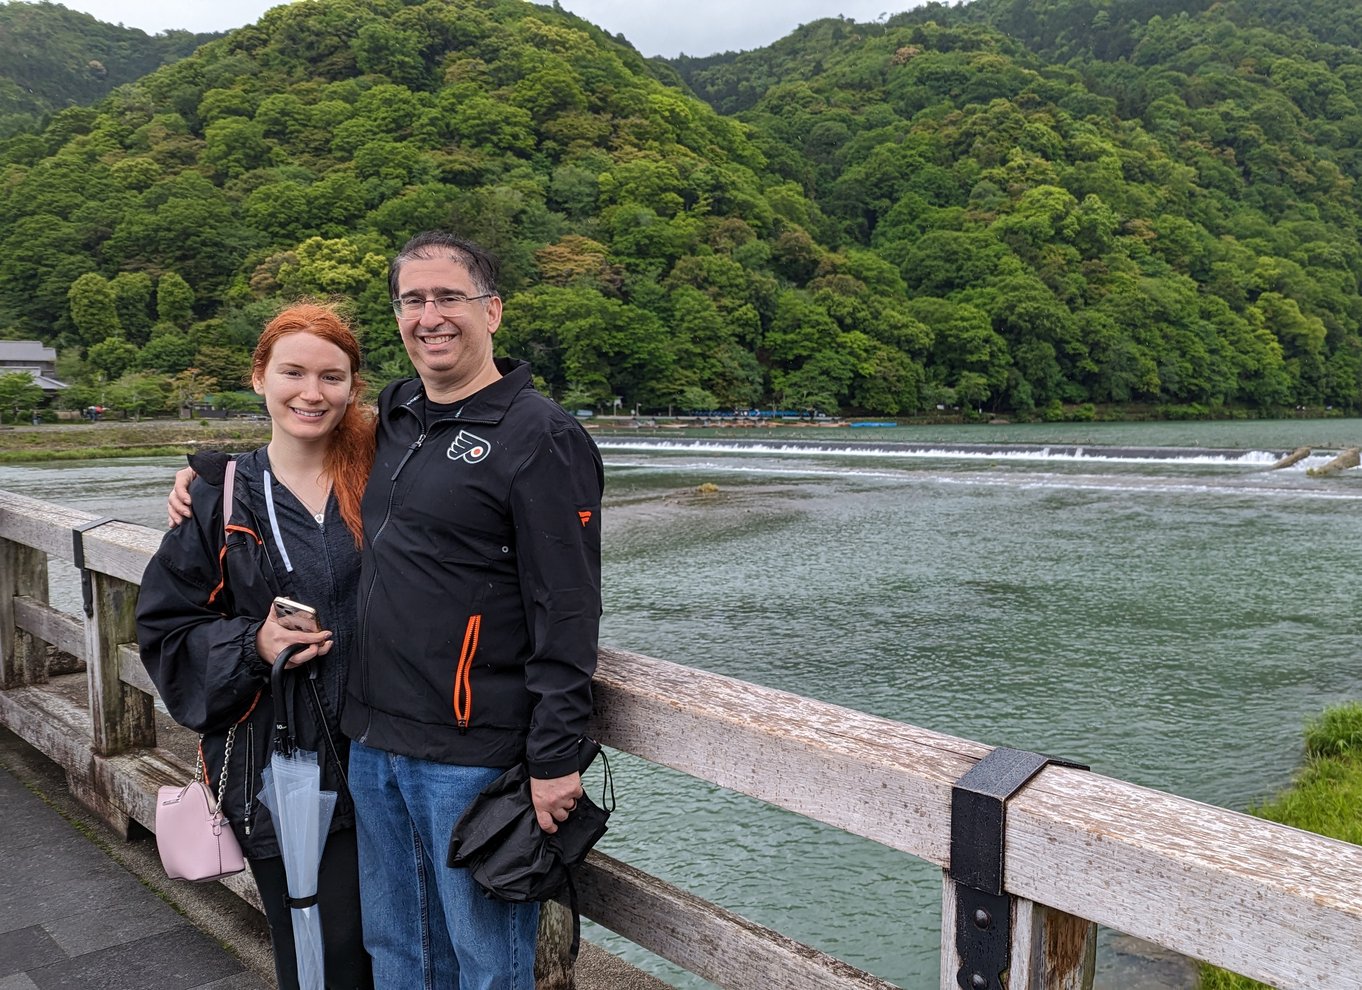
226	758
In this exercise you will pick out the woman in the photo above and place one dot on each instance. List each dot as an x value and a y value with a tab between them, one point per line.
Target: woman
209	635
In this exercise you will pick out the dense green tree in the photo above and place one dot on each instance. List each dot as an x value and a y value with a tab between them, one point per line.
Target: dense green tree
386	50
170	351
591	343
323	267
174	300
228	366
140	394
282	210
94	308
890	383
54	57
19	394
111	357
132	301
234	146
967	354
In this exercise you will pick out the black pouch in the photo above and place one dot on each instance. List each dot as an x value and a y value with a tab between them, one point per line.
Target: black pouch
498	839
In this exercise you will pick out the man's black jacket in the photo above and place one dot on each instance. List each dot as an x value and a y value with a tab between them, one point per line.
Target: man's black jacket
480	595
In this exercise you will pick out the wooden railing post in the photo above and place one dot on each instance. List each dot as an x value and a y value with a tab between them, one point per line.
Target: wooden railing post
552	959
1048	949
121	717
1051	950
23	571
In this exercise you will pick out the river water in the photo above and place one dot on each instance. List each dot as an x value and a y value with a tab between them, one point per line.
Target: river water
1150	599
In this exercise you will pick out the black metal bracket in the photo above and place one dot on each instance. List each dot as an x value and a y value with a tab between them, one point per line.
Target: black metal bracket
983	909
87	593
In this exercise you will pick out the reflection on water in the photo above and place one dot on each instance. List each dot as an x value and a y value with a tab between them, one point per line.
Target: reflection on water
1168	620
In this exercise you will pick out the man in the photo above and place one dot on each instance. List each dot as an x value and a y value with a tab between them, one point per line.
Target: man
479	610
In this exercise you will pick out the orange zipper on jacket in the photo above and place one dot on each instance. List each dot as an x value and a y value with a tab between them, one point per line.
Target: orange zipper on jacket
463	690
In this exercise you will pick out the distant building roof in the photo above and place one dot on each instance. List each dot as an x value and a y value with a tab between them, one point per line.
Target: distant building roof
26	350
44	382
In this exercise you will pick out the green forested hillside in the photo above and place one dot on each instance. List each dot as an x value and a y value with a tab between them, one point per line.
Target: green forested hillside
1014	207
51	57
1177	222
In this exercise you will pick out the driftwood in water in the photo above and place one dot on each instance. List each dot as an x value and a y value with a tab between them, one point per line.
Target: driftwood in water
1299	454
1349	458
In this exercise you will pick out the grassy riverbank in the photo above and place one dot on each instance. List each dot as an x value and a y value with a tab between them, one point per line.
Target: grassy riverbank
1326	798
117	438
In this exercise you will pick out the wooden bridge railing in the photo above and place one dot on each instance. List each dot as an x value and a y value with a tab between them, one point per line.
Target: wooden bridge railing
1274	903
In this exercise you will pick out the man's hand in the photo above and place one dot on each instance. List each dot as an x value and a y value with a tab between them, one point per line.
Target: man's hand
272	638
554	799
177	503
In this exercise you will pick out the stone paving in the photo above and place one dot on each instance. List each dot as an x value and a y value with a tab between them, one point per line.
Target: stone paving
83	909
70	916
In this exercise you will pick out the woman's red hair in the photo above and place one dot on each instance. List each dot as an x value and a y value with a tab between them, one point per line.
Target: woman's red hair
350	453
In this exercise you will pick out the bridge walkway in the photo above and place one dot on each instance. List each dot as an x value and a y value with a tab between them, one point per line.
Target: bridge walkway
75	913
83	909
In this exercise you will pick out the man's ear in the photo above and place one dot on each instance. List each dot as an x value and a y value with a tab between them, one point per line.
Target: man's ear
493	314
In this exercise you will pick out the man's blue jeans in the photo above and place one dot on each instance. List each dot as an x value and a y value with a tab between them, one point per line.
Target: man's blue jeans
426	925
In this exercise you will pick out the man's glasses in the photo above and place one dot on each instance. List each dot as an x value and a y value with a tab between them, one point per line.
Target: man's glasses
446	304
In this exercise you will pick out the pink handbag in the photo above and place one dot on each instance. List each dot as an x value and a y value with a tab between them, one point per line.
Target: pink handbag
194	838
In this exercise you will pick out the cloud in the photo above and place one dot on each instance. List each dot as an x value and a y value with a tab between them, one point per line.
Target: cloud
654	27
155	16
703	27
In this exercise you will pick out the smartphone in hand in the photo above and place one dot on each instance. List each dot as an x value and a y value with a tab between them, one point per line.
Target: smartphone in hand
296	616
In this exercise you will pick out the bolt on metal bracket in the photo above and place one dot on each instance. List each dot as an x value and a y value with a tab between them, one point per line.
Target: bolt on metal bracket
983	910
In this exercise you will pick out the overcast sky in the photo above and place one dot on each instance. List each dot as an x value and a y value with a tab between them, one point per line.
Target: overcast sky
654	27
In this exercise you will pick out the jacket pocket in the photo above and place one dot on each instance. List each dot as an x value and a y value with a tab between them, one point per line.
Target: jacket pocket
480	567
463	688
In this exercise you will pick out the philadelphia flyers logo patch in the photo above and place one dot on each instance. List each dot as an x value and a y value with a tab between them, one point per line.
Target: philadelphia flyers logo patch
467	447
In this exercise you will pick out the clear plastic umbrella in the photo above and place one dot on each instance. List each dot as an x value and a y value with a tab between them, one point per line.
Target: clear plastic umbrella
291	789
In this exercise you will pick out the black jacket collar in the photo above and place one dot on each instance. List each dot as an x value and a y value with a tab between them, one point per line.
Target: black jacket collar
487	405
